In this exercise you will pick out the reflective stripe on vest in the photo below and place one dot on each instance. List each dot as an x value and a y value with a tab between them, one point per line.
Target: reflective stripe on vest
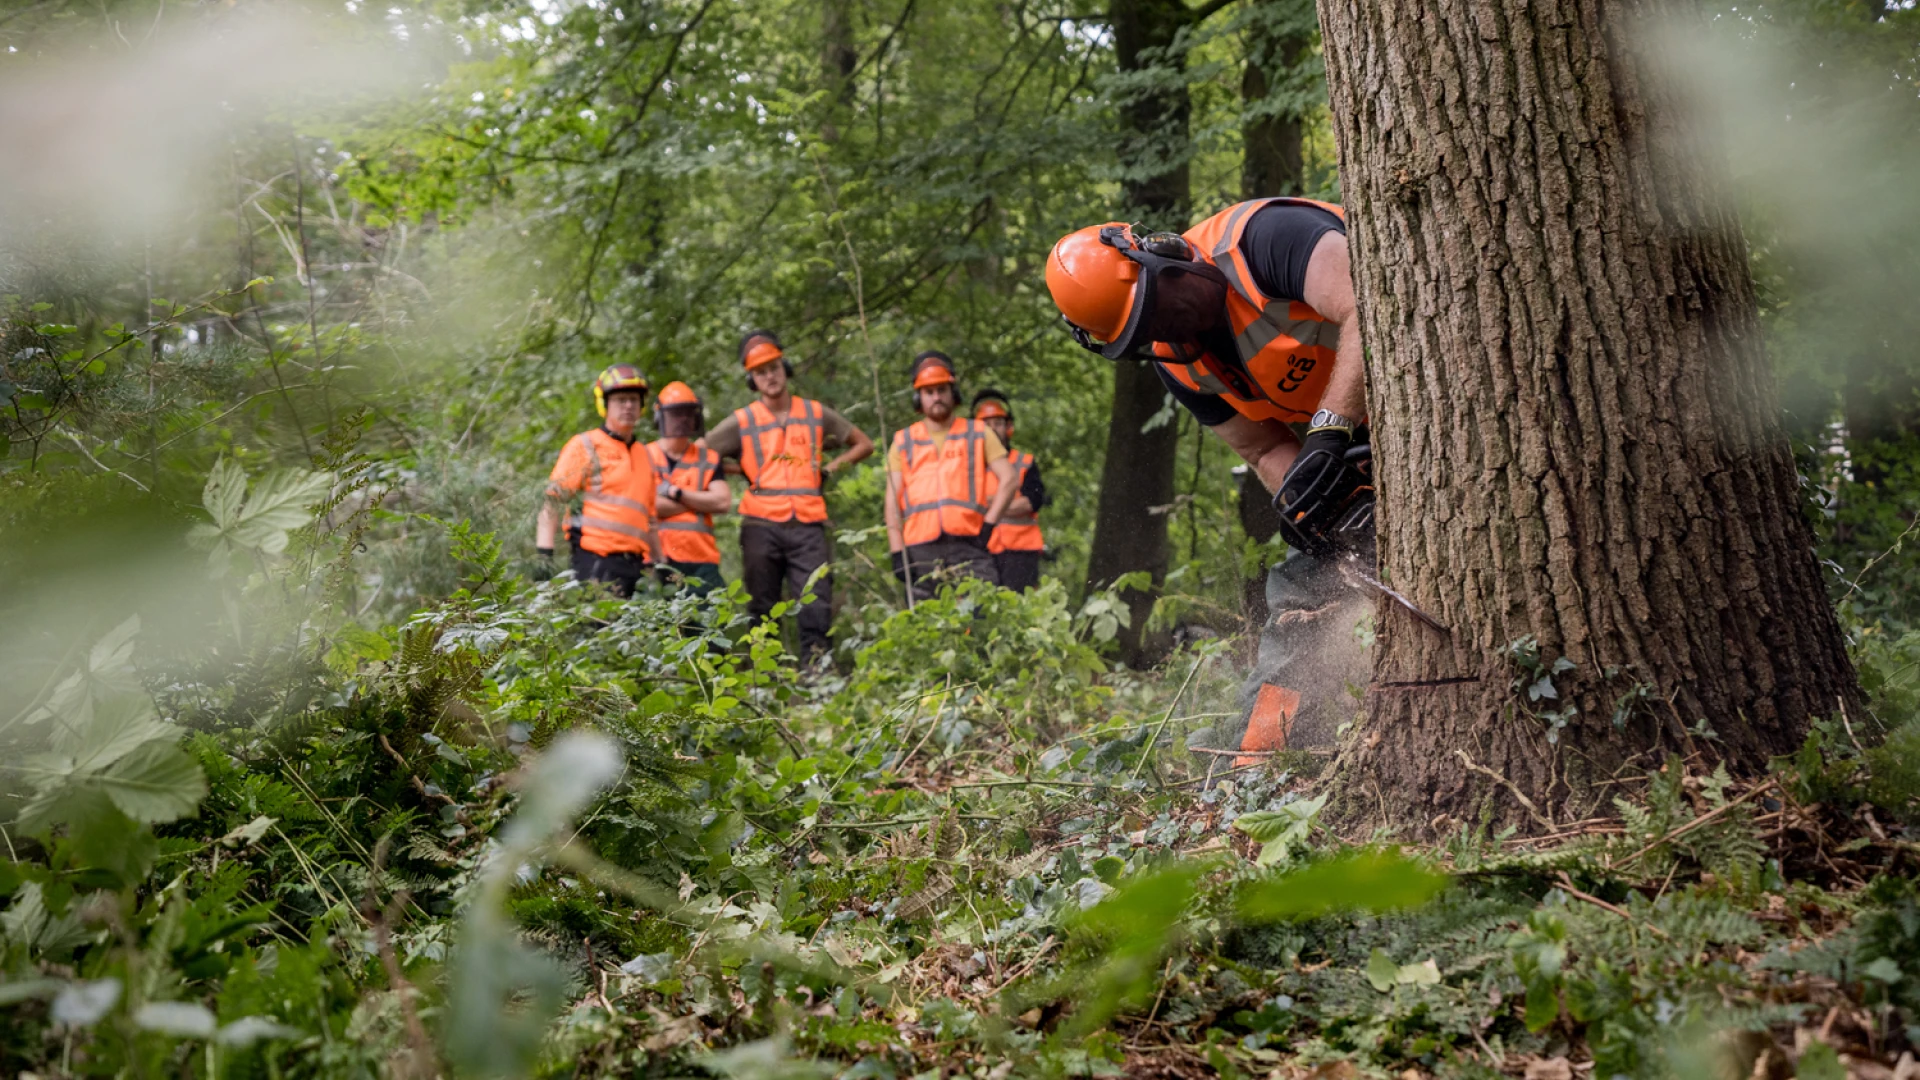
942	493
615	483
687	536
1016	532
1285	345
781	460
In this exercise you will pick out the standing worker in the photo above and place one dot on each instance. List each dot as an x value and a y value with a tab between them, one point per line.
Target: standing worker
614	479
688	489
938	510
779	441
1250	318
1016	543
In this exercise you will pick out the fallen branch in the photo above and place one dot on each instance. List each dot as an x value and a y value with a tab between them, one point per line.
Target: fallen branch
1532	810
1697	822
1566	886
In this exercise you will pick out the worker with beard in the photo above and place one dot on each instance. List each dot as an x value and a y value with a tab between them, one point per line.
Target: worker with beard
1017	543
781	441
611	474
1250	320
940	510
688	490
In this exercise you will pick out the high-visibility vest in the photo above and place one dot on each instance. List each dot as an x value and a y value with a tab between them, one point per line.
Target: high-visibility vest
1016	532
781	459
1287	346
687	536
615	483
944	492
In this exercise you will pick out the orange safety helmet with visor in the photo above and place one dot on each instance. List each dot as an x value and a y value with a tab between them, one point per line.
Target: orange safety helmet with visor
1103	279
679	408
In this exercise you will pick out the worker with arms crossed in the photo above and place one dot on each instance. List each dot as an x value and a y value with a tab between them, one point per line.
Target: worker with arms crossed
1250	319
940	509
1016	544
779	441
688	490
612	476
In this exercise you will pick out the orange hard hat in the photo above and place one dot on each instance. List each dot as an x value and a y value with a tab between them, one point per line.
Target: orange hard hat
932	368
1102	280
1093	283
759	348
989	404
676	393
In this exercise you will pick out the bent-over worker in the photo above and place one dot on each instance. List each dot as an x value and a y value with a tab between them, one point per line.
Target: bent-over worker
1250	319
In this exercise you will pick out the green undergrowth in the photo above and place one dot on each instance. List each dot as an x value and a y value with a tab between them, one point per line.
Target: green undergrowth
534	830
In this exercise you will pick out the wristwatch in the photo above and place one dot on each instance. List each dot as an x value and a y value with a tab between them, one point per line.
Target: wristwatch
1327	418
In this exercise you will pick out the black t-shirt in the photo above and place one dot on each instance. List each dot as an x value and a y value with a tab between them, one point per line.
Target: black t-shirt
1277	244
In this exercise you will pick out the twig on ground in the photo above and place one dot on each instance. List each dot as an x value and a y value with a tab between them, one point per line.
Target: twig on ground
1532	810
1146	752
1566	886
1710	815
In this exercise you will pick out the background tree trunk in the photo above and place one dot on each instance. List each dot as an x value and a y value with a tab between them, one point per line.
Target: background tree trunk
1575	425
1138	472
1278	35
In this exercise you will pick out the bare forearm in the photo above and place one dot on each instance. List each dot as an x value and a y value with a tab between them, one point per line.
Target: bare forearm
1346	391
1272	465
1021	506
890	512
859	449
546	526
1009	481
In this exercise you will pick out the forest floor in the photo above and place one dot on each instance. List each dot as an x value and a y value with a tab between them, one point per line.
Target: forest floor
532	831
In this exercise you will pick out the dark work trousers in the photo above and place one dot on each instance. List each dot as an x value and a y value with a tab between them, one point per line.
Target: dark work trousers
947	560
698	578
788	552
1310	662
621	570
1019	570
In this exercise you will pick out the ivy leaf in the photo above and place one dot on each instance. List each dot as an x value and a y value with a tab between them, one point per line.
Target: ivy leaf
1381	970
1543	689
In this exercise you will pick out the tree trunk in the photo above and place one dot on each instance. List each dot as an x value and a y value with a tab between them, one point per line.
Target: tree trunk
1279	33
1575	426
838	58
1138	473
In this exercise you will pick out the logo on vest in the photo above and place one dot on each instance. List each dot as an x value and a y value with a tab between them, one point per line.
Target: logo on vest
1298	367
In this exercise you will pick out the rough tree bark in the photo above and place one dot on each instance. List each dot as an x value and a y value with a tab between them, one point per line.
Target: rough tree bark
1575	425
1138	472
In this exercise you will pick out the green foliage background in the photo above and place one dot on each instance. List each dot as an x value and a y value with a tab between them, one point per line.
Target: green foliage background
273	686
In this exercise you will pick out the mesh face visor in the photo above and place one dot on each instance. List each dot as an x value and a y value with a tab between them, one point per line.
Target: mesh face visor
680	421
1157	253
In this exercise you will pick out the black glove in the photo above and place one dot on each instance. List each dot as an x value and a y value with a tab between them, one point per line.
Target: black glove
986	533
1325	501
900	564
543	566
